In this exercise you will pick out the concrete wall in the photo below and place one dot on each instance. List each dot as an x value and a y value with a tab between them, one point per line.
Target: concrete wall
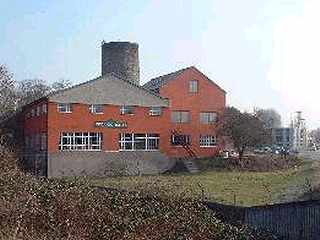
107	163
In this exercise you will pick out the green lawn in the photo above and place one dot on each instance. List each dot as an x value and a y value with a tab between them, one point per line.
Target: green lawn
242	188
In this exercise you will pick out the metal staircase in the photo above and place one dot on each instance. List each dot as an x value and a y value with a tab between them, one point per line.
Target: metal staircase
188	160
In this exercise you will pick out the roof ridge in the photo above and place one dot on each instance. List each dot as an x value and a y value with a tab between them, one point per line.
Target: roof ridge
180	70
136	85
116	76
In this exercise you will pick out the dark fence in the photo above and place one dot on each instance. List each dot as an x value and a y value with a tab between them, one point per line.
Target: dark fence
292	221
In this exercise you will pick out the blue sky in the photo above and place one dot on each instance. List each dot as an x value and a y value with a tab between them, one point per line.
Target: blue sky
263	53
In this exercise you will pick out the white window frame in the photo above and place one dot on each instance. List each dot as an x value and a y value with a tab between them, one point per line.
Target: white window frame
32	112
38	110
180	118
127	110
65	107
207	141
127	139
155	111
95	107
193	86
208	117
44	108
86	139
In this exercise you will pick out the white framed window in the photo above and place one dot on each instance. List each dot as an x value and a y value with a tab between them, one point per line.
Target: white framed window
80	141
208	141
180	140
32	112
155	111
139	141
44	109
193	86
180	117
126	109
97	108
38	110
65	107
208	117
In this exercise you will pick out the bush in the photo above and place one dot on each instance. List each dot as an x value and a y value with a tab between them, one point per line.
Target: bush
43	208
259	163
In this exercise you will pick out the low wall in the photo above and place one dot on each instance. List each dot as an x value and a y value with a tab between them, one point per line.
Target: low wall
107	163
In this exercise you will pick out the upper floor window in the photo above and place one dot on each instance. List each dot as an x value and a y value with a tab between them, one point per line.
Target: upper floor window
193	86
155	111
65	107
180	116
125	109
208	117
44	109
32	112
96	108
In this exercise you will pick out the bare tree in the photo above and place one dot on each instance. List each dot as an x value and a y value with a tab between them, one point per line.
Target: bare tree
315	134
244	129
30	90
7	92
60	85
270	117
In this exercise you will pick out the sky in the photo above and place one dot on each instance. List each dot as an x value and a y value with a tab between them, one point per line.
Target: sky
264	53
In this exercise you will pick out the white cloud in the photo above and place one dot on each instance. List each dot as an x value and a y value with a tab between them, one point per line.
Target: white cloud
295	66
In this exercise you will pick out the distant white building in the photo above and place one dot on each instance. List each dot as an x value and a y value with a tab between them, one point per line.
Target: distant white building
300	135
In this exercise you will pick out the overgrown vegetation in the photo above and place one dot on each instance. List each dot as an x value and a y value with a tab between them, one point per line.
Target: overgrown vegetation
254	162
33	208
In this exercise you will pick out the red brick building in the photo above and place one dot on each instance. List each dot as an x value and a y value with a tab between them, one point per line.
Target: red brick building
112	121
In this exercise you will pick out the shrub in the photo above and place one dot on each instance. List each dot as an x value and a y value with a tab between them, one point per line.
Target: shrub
32	208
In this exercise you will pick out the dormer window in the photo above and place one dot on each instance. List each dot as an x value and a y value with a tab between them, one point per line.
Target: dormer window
96	108
193	86
65	107
155	111
125	109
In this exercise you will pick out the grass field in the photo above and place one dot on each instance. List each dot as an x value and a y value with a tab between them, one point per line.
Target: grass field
229	187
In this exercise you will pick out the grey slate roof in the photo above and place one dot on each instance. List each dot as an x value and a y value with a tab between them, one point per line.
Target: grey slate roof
109	89
156	83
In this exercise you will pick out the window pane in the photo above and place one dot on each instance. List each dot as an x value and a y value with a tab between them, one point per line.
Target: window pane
155	111
97	108
139	141
80	141
127	110
193	86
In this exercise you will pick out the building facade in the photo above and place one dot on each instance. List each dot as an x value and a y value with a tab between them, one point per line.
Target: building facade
112	122
283	137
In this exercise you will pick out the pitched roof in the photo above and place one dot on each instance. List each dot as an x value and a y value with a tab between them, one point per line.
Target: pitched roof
156	83
108	89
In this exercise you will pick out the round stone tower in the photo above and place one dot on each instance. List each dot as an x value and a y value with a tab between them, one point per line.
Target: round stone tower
121	58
